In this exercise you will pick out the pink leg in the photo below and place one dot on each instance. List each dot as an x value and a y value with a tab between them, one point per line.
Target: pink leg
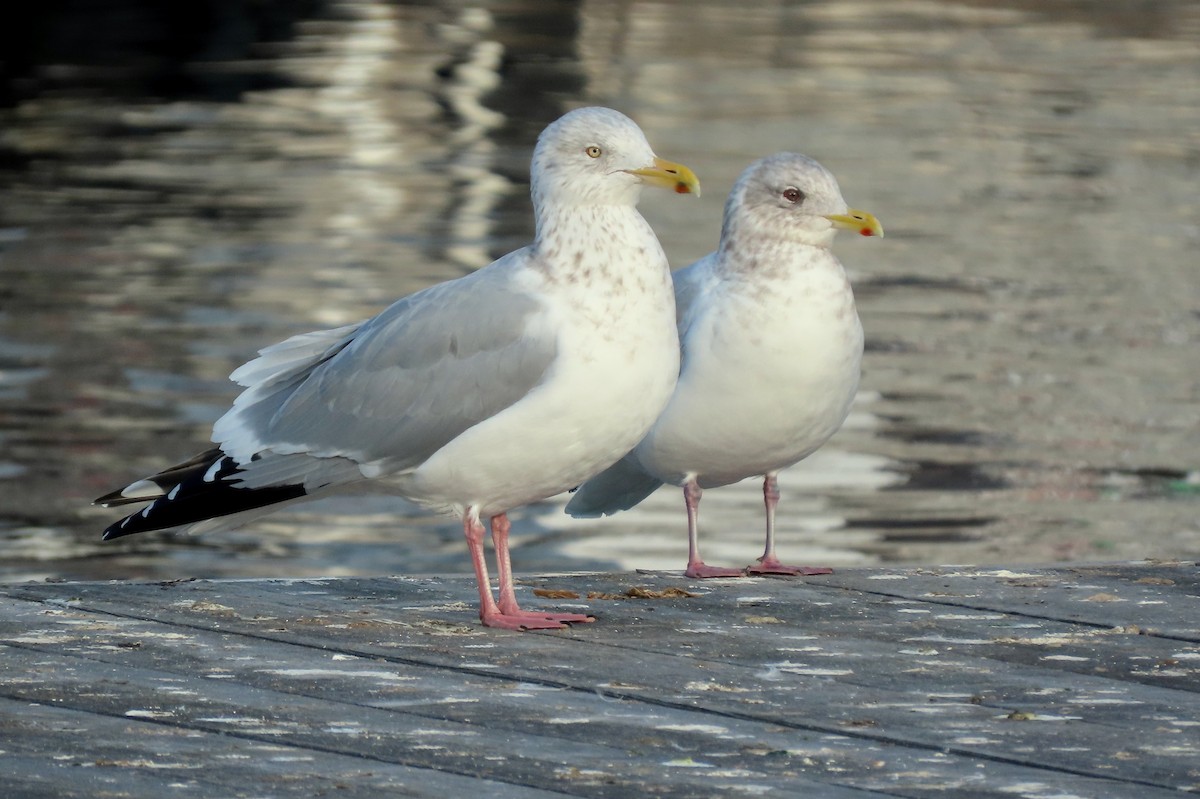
530	620
473	530
696	567
768	563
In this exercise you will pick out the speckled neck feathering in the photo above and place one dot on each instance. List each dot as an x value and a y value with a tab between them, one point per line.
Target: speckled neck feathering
771	346
474	396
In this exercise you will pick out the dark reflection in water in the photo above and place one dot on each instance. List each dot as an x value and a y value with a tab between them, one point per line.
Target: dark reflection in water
951	476
183	184
147	49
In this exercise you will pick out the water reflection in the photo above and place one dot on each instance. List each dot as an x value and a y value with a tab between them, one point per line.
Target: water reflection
1030	388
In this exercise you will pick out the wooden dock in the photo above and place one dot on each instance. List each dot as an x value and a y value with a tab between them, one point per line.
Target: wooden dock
934	682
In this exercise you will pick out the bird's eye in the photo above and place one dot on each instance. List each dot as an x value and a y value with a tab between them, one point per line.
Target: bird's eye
793	195
593	151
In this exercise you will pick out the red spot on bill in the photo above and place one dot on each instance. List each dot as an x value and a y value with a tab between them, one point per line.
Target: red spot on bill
866	231
682	188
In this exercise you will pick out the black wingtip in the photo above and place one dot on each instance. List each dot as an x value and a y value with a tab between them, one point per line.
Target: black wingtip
134	523
109	499
199	503
115	500
117	531
205	491
165	480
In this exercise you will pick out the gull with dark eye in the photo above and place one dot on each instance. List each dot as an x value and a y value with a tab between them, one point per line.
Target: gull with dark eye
771	347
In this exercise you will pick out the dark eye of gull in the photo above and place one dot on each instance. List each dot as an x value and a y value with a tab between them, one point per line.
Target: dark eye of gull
793	195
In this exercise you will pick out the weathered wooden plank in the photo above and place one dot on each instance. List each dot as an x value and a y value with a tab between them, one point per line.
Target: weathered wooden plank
712	659
249	690
1117	653
60	752
479	749
1159	598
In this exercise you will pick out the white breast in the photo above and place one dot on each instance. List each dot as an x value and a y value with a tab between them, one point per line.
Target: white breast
618	358
770	370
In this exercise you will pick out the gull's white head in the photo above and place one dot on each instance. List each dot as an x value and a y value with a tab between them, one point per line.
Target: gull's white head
790	196
597	156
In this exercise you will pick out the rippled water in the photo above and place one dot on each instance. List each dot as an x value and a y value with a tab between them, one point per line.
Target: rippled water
1031	388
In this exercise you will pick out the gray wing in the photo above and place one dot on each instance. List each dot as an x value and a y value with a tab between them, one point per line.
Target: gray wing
387	394
691	283
619	487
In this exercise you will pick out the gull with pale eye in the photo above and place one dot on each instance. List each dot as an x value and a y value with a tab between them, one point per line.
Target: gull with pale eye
771	348
474	396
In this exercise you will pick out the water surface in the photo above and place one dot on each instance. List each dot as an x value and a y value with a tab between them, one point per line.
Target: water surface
1031	389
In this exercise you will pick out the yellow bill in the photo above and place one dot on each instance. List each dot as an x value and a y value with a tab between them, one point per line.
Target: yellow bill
669	175
861	222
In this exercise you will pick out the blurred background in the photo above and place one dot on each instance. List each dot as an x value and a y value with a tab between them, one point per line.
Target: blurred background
184	183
